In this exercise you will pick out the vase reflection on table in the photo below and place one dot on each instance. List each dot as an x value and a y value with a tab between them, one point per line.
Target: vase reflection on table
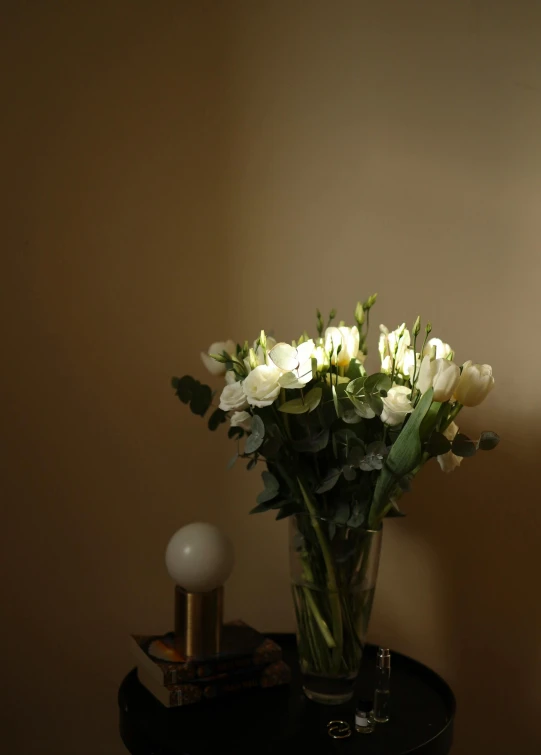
333	573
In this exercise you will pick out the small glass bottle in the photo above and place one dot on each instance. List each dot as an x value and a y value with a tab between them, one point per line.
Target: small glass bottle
382	693
363	722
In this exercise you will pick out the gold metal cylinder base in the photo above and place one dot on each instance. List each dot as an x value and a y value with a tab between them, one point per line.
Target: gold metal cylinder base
198	622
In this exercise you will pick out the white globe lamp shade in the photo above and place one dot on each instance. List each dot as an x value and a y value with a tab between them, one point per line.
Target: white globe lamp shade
199	557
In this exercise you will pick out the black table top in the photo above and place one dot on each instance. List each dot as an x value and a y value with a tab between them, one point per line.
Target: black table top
283	720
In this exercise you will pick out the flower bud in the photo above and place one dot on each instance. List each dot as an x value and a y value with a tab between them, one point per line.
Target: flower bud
416	326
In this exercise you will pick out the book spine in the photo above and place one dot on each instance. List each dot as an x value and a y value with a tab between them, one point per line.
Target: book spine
208	669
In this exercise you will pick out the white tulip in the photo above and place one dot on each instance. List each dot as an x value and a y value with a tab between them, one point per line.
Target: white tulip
449	462
396	405
445	380
321	357
425	379
261	387
443	350
475	384
233	397
214	367
348	339
243	420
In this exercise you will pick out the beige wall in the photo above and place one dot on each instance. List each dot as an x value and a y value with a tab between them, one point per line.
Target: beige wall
177	172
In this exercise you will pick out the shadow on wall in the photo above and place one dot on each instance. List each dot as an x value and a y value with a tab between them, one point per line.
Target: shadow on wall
482	527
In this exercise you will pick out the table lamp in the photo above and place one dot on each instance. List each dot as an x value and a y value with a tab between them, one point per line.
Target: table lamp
200	559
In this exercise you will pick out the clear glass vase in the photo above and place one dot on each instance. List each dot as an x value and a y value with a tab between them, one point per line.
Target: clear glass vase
333	573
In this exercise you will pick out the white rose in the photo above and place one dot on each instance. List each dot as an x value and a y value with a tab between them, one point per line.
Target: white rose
214	367
242	419
396	405
443	350
348	339
475	384
449	462
233	397
261	386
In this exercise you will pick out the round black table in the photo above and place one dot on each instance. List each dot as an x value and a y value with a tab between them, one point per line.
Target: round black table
283	720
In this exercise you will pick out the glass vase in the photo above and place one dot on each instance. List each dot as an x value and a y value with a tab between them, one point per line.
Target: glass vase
333	573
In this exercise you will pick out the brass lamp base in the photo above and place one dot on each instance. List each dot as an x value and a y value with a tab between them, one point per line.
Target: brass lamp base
198	622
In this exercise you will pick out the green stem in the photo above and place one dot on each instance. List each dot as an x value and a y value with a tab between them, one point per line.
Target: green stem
334	597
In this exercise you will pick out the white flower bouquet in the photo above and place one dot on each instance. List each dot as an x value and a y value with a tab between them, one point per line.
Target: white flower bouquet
340	447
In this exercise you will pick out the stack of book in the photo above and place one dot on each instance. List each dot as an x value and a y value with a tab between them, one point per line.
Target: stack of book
246	660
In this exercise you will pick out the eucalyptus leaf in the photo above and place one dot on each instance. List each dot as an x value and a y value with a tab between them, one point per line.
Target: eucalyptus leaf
378	382
313	443
259	509
355	370
438	444
463	446
330	480
252	463
288	509
269	481
342	513
255	439
351	417
488	440
266	495
356	455
349	473
235	432
232	460
305	404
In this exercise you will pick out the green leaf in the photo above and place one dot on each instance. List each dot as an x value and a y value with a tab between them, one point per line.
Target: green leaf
255	439
378	382
406	452
259	509
355	370
201	399
342	513
266	495
404	456
252	463
438	444
235	432
232	460
304	404
288	509
394	511
356	455
184	387
349	473
269	481
330	480
174	382
312	444
351	417
488	440
343	441
463	446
